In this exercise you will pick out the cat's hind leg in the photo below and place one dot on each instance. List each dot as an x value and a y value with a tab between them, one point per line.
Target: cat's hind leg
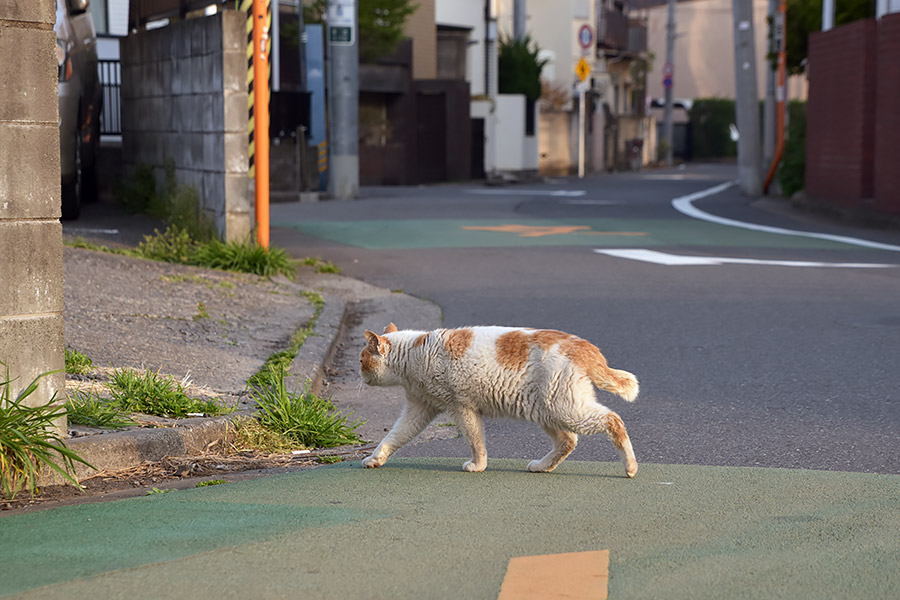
472	427
563	444
415	417
599	419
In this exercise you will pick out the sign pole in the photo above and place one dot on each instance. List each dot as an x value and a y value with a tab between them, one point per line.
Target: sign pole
261	120
581	112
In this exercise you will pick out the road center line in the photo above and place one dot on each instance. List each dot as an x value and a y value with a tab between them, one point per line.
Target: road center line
684	205
664	258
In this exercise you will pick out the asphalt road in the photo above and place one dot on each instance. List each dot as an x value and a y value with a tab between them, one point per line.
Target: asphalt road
740	364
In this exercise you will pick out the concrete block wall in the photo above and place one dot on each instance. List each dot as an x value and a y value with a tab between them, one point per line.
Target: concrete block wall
31	298
184	98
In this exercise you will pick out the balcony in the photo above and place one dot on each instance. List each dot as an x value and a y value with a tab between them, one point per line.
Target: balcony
637	36
612	29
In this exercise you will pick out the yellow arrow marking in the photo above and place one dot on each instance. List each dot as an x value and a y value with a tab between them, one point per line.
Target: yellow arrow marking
545	230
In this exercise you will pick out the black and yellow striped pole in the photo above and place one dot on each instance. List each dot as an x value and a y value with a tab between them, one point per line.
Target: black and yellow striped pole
258	50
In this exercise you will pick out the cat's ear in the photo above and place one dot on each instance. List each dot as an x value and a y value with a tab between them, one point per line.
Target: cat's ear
390	328
380	344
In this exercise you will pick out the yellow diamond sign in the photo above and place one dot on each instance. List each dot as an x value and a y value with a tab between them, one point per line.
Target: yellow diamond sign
582	69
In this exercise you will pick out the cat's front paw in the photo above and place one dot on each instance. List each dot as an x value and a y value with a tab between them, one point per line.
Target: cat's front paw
371	462
472	467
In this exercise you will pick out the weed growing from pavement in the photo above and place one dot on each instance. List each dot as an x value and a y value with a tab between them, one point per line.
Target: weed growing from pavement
155	491
280	362
88	409
201	312
204	484
321	266
29	440
153	394
77	363
304	417
330	460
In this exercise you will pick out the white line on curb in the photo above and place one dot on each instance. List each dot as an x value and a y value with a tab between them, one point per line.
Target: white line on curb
684	205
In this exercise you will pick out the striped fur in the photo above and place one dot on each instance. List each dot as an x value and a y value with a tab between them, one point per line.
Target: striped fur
543	376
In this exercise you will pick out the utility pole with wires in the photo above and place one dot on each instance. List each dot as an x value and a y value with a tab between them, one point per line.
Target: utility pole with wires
343	95
668	73
746	99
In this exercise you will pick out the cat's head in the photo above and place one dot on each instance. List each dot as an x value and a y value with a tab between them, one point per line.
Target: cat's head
373	358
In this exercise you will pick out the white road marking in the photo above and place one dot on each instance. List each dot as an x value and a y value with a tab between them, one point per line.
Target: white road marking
518	192
664	258
684	205
84	230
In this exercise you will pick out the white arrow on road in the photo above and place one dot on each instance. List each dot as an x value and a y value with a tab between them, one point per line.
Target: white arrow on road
518	192
663	258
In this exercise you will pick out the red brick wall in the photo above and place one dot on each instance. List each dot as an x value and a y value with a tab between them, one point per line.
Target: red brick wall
841	113
887	116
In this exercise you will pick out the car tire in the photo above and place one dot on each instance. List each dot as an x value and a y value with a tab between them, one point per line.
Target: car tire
89	184
71	191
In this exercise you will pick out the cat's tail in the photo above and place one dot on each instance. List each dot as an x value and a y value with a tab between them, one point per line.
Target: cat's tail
621	383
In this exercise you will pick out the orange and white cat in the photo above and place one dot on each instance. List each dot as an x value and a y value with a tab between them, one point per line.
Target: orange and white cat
543	376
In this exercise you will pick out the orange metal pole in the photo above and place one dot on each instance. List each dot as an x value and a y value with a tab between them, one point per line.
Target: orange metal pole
261	117
780	93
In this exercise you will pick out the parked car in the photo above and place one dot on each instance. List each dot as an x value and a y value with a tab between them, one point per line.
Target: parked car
80	103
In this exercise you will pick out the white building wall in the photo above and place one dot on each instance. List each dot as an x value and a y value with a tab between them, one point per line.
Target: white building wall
467	13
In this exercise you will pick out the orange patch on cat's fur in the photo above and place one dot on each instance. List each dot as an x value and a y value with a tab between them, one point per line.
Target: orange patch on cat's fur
512	350
546	338
457	341
616	429
376	345
420	341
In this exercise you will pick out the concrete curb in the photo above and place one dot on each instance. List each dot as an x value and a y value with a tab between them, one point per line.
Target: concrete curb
115	451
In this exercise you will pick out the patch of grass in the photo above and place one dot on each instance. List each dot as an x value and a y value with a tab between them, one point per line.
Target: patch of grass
77	363
204	484
156	491
321	266
250	434
280	362
90	410
29	440
152	394
330	460
201	312
245	257
304	418
174	245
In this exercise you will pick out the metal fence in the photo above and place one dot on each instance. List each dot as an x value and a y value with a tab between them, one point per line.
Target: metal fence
111	80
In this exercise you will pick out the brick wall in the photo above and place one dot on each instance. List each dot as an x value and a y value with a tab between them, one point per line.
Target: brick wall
184	98
841	113
31	270
887	116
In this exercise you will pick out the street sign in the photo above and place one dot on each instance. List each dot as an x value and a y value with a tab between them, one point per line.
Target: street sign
582	69
585	37
342	22
668	70
667	81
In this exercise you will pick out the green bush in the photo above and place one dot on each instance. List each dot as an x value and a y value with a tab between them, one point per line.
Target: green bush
710	121
792	171
29	440
153	394
304	418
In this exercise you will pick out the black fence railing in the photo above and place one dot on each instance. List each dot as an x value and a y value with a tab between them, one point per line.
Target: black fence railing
111	81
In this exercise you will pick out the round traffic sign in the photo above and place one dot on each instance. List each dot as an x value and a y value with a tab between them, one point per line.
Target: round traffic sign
585	36
668	69
667	81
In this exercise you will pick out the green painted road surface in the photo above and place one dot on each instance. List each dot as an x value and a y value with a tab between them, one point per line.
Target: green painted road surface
422	528
501	233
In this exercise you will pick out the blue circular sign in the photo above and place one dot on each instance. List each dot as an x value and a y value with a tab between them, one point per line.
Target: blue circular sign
585	36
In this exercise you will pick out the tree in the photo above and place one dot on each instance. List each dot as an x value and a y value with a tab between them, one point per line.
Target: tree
381	24
518	68
805	17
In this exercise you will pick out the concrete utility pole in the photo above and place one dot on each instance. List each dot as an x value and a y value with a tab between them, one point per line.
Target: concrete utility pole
519	11
769	109
343	92
827	15
668	135
746	99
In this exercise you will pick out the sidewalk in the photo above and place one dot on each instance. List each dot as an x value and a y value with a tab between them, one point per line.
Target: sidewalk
213	330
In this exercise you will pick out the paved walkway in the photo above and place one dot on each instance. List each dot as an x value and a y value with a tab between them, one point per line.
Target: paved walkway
421	528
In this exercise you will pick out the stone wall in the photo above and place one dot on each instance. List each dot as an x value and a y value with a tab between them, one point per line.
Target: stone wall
184	99
31	300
